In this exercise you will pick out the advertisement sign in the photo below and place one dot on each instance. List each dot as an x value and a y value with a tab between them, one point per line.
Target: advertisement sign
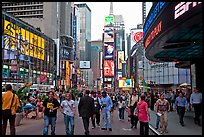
108	50
67	73
108	34
67	53
16	37
136	36
124	83
43	78
120	59
109	20
84	65
101	60
119	75
108	68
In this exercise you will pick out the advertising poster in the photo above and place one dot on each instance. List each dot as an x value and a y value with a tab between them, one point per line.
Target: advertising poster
119	75
109	20
108	34
124	83
120	59
67	73
109	50
108	68
136	36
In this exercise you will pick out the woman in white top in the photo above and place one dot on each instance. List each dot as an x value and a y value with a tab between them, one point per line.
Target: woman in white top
121	108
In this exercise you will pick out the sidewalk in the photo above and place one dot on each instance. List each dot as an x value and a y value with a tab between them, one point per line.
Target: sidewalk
174	127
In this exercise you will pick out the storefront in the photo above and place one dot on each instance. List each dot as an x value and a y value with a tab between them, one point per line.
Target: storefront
27	54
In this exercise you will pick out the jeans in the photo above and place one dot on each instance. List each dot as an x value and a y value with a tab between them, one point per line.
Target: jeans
144	128
12	125
106	119
181	112
121	113
157	121
67	120
49	120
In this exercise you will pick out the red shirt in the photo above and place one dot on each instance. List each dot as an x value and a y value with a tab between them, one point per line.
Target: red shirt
142	111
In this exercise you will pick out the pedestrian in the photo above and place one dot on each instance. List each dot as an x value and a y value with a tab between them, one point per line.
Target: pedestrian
72	94
132	105
181	106
68	108
106	105
196	102
10	104
86	110
121	108
39	106
96	116
162	107
143	115
50	106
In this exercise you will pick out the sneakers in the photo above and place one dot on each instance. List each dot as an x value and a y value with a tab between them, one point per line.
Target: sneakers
93	127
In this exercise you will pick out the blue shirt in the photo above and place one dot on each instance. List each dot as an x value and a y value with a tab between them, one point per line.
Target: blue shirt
107	101
181	102
196	98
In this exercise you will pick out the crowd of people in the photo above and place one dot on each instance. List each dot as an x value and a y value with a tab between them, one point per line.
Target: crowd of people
94	105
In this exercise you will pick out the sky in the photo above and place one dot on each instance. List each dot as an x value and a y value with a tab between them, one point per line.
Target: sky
131	12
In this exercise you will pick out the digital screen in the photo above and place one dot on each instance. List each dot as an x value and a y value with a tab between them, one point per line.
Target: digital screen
84	65
124	83
108	50
108	34
109	20
108	68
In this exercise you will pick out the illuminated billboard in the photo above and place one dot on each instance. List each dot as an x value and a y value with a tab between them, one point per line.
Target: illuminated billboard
120	59
108	68
29	43
119	75
84	65
136	36
109	20
126	83
108	50
108	34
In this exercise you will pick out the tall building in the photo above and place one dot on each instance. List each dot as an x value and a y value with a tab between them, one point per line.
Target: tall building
85	31
52	18
96	46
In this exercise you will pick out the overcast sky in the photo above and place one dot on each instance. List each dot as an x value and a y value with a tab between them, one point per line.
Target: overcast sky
131	12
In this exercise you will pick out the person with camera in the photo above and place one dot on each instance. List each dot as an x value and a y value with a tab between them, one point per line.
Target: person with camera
106	106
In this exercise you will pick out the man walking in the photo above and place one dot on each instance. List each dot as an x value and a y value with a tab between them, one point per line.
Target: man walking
181	105
106	104
162	107
86	110
68	109
50	106
196	101
10	104
96	116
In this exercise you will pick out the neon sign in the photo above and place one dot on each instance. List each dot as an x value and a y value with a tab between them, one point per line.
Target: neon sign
183	7
153	34
154	13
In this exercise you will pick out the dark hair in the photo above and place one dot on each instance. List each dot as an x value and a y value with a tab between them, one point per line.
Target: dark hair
8	87
142	97
51	92
87	92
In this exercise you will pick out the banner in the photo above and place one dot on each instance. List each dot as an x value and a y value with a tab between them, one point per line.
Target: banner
67	73
120	59
108	68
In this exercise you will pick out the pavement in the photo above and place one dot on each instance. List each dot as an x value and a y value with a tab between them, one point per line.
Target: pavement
35	127
174	127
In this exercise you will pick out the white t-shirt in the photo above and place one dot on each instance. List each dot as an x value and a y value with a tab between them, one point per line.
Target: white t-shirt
121	104
68	107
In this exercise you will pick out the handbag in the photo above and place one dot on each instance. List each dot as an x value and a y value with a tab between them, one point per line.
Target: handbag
7	112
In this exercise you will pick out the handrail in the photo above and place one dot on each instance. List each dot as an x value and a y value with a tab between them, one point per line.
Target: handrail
154	130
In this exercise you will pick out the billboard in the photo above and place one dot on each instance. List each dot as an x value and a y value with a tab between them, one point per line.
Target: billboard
108	68
126	83
67	73
119	75
29	43
101	60
136	36
108	34
84	65
120	59
67	53
109	20
108	50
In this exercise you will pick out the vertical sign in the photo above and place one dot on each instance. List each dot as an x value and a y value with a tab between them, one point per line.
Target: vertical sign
120	59
67	73
75	34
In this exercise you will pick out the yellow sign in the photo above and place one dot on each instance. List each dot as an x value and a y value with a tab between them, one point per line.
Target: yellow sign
67	73
29	43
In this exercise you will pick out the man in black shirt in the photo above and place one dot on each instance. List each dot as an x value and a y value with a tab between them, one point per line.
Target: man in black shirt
50	106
